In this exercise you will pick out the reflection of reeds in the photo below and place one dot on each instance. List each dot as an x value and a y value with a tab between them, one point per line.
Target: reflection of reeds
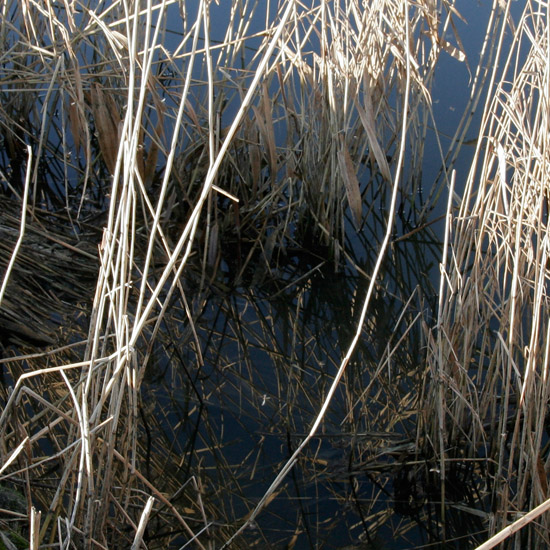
222	166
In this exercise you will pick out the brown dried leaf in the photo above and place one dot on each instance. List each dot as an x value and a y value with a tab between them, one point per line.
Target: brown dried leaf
260	123
76	125
213	245
192	114
107	119
351	183
151	164
269	130
152	155
77	111
251	136
367	119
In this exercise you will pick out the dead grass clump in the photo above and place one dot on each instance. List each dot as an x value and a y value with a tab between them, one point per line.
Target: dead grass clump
55	271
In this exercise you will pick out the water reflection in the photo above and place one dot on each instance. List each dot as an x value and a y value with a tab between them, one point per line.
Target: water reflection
228	406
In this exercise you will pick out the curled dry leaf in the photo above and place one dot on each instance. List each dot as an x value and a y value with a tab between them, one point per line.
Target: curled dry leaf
453	51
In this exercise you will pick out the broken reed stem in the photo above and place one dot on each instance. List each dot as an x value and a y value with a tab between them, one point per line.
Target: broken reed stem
136	545
35	529
519	524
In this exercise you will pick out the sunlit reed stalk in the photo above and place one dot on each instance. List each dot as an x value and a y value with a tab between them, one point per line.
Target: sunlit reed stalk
22	226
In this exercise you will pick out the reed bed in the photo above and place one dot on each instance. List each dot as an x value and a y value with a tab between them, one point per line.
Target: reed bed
229	173
488	353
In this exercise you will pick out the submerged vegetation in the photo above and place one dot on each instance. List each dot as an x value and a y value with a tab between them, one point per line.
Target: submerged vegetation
221	316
